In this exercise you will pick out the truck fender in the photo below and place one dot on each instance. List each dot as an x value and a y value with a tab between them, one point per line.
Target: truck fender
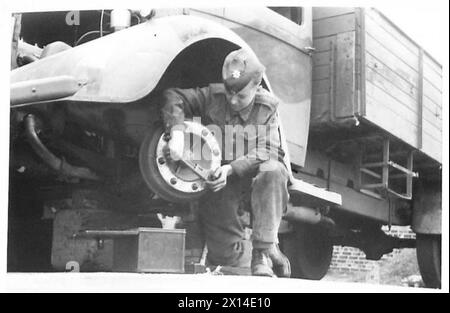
427	208
127	65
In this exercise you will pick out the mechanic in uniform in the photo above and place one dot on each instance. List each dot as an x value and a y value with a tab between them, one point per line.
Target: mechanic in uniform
256	173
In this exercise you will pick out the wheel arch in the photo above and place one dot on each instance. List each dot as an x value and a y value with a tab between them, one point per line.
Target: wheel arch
126	66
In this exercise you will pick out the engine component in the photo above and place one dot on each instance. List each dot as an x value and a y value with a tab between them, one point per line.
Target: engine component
308	216
49	158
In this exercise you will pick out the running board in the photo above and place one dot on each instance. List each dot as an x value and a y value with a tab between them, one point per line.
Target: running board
302	193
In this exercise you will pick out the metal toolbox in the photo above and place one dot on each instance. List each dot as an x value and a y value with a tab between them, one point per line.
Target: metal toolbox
145	250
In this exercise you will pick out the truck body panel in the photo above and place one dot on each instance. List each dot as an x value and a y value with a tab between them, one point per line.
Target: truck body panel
367	68
275	39
104	65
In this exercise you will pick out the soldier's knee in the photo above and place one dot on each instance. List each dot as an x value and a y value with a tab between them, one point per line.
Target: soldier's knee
272	170
230	254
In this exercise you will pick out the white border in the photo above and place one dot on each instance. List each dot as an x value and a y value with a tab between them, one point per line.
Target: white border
121	282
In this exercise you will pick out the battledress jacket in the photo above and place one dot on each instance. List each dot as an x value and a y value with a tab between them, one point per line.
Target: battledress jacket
256	126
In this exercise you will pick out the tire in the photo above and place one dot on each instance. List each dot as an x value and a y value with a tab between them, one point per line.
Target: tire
309	250
429	259
150	172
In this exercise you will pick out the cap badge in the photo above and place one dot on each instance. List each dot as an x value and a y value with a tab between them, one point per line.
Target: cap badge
236	74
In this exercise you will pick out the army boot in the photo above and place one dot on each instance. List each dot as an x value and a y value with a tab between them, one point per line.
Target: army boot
261	263
281	264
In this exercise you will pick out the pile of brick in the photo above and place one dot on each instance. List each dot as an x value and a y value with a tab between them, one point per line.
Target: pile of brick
352	259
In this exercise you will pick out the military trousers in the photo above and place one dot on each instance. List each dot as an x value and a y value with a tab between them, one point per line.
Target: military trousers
264	193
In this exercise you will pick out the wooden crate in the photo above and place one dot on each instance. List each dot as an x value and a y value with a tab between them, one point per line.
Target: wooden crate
366	67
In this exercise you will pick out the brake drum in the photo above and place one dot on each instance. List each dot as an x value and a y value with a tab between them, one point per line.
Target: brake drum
178	181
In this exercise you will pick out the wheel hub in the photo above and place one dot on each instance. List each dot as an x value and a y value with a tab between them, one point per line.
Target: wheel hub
182	180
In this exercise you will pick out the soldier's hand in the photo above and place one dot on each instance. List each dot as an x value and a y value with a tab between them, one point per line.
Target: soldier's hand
220	176
175	147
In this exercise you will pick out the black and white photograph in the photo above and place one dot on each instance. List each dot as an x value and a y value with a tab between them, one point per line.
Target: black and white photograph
213	148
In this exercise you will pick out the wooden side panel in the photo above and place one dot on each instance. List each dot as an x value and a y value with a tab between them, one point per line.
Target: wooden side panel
376	69
432	112
323	57
432	92
333	64
321	84
406	100
403	86
345	75
333	25
392	80
392	39
390	114
432	72
394	61
432	108
326	12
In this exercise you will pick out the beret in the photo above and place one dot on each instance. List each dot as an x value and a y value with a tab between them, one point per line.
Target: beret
239	68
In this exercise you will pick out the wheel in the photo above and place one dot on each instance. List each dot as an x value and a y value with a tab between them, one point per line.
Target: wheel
174	181
429	259
309	250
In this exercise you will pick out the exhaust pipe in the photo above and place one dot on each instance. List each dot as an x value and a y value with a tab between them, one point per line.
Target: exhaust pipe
57	164
308	215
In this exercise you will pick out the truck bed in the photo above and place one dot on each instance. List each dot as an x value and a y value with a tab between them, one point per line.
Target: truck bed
366	67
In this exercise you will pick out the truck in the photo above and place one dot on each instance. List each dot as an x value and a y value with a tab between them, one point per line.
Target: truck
361	121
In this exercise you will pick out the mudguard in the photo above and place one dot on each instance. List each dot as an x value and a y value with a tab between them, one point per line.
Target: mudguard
127	65
427	209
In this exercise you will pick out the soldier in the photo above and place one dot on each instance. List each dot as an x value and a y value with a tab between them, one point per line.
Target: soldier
256	173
